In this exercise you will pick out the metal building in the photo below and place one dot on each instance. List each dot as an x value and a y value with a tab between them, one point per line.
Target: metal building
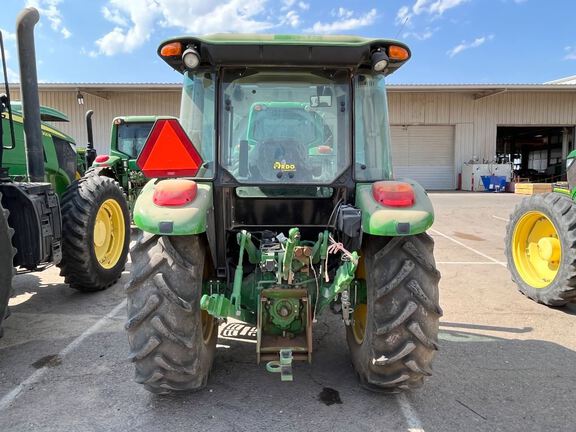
435	128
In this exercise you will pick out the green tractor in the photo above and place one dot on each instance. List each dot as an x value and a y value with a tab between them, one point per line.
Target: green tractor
541	243
273	201
49	214
128	136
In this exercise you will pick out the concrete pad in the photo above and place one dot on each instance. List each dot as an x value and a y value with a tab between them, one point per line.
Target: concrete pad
506	363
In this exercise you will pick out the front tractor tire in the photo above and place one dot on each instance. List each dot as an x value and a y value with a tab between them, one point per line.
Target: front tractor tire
393	337
95	233
7	253
172	341
541	248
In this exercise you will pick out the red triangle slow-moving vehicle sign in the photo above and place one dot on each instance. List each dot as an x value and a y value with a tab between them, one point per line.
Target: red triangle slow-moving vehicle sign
169	152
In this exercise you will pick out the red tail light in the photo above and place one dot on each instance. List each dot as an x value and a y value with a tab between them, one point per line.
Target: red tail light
101	158
168	152
393	193
171	193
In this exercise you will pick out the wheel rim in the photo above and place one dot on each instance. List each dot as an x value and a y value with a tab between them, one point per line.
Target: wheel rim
536	249
109	232
207	326
359	322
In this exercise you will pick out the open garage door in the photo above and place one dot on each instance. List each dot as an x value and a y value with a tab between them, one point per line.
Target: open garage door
425	154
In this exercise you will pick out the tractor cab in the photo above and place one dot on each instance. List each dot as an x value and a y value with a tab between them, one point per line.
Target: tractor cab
278	118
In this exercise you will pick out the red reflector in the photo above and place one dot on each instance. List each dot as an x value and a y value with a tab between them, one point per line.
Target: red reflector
393	194
174	192
101	158
324	149
168	152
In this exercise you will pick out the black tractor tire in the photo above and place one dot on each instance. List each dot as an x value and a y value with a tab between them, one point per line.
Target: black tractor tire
7	252
81	203
400	338
561	211
171	348
104	171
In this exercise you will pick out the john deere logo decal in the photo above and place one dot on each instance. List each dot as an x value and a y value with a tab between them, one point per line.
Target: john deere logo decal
283	166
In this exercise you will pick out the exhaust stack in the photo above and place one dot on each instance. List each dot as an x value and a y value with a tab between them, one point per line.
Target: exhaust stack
29	88
90	151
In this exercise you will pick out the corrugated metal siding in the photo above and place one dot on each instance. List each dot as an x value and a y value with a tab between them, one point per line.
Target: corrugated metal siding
424	154
475	120
106	107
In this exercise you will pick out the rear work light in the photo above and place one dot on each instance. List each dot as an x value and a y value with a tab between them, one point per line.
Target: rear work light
393	193
191	58
171	193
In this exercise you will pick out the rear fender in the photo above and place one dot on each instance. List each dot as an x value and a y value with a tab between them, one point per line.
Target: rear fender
111	162
187	219
381	220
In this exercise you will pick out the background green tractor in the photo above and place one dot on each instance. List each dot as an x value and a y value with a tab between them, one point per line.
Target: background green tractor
49	214
273	201
127	138
541	243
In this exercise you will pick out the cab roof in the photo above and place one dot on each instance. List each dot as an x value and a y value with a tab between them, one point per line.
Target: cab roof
46	113
277	50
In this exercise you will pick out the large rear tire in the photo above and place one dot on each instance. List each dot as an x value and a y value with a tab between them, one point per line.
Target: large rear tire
7	252
172	341
393	337
95	233
541	248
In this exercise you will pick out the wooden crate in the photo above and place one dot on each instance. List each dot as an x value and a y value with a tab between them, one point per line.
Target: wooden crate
532	188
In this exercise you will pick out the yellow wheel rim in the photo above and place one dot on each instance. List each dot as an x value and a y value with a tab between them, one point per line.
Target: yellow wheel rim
536	249
207	326
359	322
109	233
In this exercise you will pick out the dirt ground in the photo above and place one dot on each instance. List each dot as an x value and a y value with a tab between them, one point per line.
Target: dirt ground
506	363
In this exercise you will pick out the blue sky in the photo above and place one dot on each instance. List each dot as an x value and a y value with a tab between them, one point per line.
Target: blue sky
453	41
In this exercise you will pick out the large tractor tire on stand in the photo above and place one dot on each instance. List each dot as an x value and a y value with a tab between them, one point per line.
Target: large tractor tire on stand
172	340
95	233
393	337
541	248
7	252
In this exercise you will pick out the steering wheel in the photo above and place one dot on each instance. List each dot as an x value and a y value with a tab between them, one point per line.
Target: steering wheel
277	159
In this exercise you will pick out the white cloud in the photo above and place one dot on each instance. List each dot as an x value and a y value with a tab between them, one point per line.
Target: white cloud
134	23
136	19
65	32
303	5
403	15
432	8
420	6
427	33
287	4
7	35
13	77
114	16
463	46
441	6
570	53
50	10
346	21
342	13
292	19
